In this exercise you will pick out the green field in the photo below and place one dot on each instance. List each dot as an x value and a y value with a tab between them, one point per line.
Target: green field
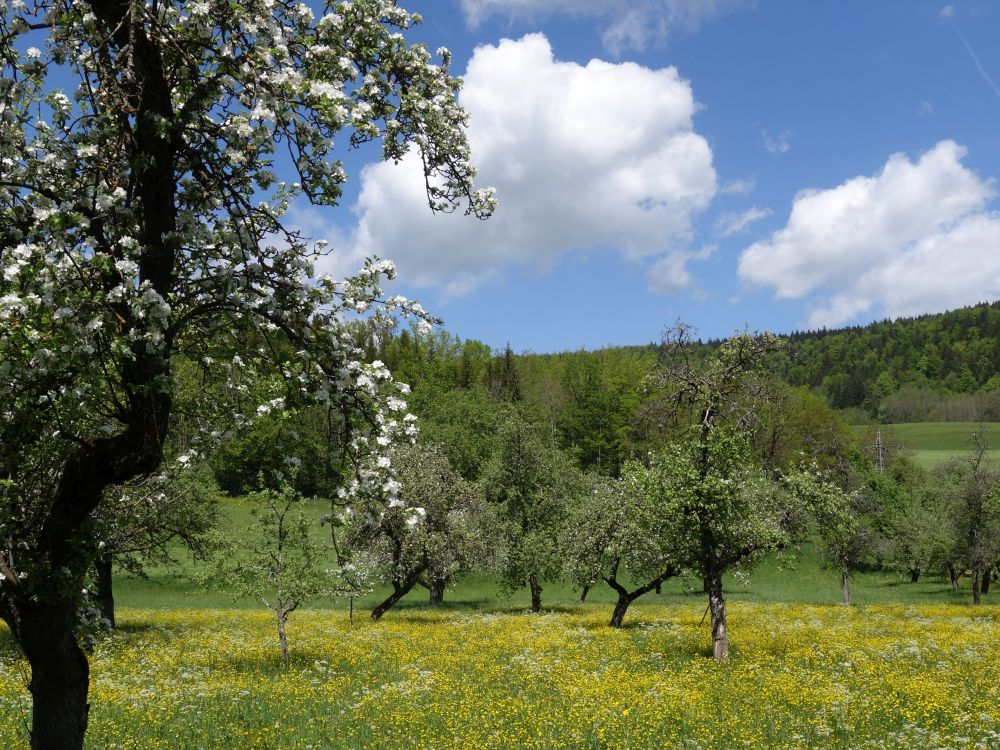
933	443
899	676
908	666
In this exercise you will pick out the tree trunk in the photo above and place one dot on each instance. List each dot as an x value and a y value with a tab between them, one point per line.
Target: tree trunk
914	575
399	590
659	588
436	589
976	579
105	587
621	607
60	675
717	607
954	575
626	597
282	636
536	593
845	582
987	577
583	594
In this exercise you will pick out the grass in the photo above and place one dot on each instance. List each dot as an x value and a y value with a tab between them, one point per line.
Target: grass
801	676
933	443
908	666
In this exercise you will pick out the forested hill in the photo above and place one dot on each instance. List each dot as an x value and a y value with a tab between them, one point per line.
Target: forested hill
898	366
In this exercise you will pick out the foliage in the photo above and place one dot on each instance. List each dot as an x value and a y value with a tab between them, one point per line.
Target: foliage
437	533
905	366
141	220
278	560
972	493
531	486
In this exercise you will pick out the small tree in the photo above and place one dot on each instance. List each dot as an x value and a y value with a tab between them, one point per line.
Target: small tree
432	537
531	487
730	512
972	490
840	519
619	533
279	560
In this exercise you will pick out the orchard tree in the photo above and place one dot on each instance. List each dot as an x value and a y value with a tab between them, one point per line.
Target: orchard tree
279	560
972	489
531	487
438	533
841	520
618	532
141	219
729	510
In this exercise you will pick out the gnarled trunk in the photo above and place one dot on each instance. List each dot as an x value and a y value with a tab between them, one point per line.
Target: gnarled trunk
104	583
399	590
583	594
987	577
60	675
976	579
954	575
536	593
626	597
914	575
717	608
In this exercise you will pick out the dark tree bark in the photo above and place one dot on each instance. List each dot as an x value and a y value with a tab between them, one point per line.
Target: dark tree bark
536	593
436	588
626	597
987	577
60	675
717	608
584	592
976	581
104	582
399	590
914	575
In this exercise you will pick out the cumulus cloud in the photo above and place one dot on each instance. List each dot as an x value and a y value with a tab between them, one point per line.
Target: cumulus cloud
914	238
630	24
602	155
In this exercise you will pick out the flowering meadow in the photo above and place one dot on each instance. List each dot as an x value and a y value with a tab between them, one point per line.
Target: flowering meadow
800	676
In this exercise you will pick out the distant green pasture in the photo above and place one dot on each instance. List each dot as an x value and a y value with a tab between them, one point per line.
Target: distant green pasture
934	443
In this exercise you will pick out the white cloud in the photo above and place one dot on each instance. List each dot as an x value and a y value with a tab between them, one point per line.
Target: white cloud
669	273
914	238
779	144
736	222
631	24
601	155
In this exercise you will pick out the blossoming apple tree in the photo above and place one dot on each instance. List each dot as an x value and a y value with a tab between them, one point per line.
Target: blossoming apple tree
141	210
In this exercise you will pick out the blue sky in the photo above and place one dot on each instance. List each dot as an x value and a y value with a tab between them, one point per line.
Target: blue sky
782	165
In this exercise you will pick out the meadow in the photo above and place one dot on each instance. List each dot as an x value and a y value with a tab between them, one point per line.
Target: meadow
908	666
800	676
933	443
